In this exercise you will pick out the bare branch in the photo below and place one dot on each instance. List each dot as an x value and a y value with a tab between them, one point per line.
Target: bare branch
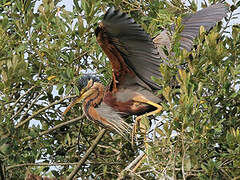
55	127
2	171
26	102
132	166
58	164
31	105
92	147
41	110
22	96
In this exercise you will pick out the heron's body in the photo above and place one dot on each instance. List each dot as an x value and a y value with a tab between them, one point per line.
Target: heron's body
122	100
98	111
135	58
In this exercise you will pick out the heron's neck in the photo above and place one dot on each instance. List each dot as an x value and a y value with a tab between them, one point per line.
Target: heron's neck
96	97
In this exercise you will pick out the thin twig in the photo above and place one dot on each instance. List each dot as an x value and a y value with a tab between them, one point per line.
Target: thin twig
22	96
227	23
20	109
40	110
183	157
2	171
78	139
81	55
33	102
109	147
54	128
174	164
82	161
59	164
225	173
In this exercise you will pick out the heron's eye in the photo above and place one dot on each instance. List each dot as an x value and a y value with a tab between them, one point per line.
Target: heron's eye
86	81
90	84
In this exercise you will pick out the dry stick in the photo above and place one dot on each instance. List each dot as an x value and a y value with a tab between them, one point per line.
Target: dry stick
55	127
82	161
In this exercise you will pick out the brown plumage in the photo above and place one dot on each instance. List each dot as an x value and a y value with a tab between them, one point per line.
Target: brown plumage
92	92
135	58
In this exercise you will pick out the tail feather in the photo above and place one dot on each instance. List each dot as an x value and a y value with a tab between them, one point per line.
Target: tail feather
113	121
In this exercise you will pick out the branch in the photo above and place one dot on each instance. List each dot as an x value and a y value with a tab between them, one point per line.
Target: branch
58	164
184	149
36	113
20	109
132	166
227	23
82	161
33	102
22	96
54	128
2	171
38	164
40	110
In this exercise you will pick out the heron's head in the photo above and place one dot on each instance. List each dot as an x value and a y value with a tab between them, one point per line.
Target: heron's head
84	84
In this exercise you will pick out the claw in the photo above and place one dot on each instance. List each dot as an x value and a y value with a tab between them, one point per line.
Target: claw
136	124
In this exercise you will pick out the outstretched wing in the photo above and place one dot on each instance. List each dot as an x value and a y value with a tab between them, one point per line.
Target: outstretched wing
134	45
206	17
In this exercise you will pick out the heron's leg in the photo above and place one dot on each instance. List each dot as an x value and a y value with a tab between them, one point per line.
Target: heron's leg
146	101
138	119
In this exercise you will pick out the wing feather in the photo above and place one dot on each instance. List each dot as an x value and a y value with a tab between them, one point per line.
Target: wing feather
134	44
137	48
206	17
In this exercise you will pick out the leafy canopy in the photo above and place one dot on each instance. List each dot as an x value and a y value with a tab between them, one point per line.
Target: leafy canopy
44	49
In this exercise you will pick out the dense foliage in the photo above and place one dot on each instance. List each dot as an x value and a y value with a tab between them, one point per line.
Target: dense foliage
44	49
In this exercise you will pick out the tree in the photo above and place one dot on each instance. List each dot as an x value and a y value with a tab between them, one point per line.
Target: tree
45	49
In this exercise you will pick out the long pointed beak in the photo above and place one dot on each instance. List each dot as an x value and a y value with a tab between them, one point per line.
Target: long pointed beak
78	100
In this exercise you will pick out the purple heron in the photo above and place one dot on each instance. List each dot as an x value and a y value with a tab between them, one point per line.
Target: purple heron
135	57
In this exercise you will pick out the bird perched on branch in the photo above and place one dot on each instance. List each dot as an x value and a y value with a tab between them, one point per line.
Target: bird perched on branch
135	57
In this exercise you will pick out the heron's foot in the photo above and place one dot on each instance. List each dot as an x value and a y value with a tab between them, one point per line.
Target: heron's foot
137	124
142	99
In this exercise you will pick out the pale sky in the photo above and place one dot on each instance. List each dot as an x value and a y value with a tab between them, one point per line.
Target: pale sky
69	7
